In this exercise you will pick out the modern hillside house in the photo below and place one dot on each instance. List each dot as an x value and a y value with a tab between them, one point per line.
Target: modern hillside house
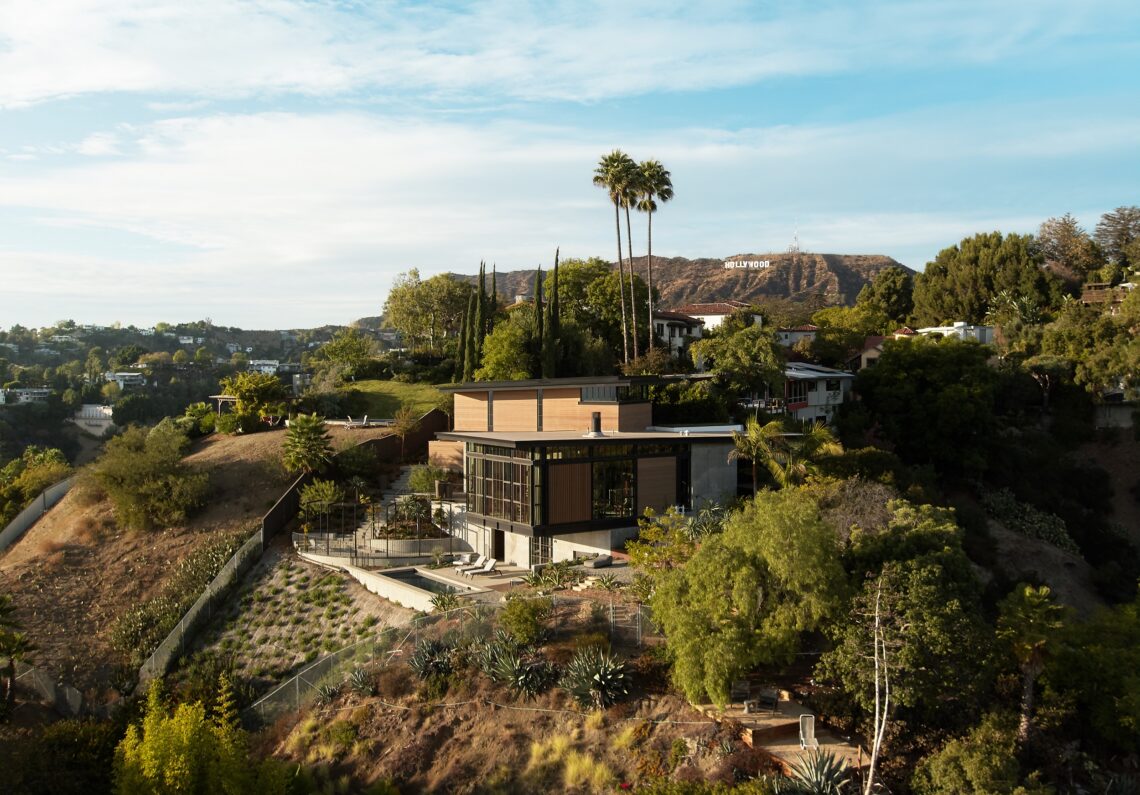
812	393
560	468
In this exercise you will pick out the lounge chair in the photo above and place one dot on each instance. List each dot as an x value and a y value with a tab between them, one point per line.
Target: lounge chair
465	567
490	567
807	732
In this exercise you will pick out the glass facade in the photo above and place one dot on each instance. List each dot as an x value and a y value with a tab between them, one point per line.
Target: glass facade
541	550
499	487
509	483
635	393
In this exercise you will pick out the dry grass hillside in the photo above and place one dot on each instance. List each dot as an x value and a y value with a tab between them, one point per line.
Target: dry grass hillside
75	571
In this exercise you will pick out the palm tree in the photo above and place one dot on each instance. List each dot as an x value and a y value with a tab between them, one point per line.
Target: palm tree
656	185
756	444
1029	622
790	457
610	175
630	192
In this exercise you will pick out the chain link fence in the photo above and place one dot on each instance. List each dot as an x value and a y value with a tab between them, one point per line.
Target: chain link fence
211	599
629	626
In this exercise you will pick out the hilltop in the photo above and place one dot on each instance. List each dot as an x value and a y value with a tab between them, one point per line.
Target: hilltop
823	279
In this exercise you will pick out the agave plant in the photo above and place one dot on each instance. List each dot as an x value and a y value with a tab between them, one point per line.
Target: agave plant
361	682
609	582
526	676
595	678
815	773
444	602
431	658
326	694
491	651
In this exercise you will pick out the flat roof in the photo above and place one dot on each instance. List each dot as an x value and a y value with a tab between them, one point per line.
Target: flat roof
514	438
533	383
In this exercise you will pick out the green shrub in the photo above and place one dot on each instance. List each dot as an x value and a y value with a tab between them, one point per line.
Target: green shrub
144	477
526	675
317	496
422	478
524	618
1023	518
138	631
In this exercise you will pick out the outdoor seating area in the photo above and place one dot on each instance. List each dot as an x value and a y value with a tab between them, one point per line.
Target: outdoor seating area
771	719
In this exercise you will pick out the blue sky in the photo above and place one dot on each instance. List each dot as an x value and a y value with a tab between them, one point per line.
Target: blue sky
276	164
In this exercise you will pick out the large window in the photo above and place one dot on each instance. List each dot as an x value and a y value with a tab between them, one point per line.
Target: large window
634	393
613	489
500	488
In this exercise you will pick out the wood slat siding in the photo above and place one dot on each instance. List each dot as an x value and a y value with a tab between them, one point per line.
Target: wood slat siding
448	455
656	484
635	416
516	411
568	493
470	411
561	412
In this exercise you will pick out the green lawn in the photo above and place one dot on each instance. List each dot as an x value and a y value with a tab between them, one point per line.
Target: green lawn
381	399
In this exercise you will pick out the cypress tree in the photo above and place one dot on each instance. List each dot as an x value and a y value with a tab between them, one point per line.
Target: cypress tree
550	339
469	342
539	341
461	346
494	291
480	315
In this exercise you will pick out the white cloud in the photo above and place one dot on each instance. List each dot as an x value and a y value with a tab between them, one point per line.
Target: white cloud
214	48
308	217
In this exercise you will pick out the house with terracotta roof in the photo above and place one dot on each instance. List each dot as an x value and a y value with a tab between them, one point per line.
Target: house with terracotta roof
676	329
713	314
561	468
788	337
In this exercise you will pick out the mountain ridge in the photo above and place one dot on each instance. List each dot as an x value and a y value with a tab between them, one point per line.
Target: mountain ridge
823	279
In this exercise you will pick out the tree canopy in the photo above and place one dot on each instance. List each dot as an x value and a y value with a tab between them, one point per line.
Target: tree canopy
748	593
962	281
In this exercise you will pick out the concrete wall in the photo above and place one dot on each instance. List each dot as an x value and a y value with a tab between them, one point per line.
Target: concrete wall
598	542
516	548
1116	415
713	475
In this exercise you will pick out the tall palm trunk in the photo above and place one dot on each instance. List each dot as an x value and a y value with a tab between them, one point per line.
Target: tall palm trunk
621	285
1029	674
632	294
649	271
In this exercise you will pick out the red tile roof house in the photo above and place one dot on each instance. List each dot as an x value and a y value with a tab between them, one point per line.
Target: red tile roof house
559	468
676	329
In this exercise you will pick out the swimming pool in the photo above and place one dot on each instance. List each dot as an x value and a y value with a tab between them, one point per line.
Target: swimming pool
410	587
417	579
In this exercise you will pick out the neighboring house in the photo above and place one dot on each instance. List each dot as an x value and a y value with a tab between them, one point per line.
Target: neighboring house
26	395
233	347
1105	295
264	366
10	346
962	331
677	329
873	348
185	340
147	332
813	392
559	468
714	314
788	337
126	380
93	418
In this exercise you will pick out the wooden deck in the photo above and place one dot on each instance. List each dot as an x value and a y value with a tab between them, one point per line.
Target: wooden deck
778	732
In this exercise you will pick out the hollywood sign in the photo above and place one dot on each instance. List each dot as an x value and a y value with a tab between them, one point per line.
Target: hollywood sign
729	264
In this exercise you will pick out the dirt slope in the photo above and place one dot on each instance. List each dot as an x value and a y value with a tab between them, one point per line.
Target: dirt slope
75	571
